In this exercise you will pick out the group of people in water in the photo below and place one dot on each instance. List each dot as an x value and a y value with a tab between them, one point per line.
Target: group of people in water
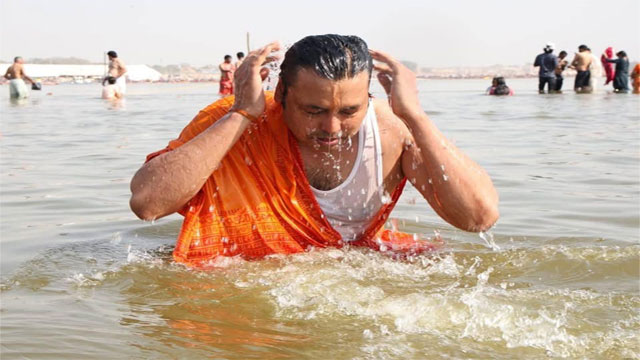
114	84
551	68
227	69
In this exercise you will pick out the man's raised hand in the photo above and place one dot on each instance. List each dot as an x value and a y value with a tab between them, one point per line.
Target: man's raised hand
249	95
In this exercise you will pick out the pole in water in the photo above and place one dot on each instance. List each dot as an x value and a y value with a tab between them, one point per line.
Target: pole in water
248	44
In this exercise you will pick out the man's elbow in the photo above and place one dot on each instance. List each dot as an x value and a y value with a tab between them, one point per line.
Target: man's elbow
142	209
484	216
487	217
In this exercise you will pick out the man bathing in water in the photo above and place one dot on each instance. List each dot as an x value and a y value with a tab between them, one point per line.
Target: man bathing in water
117	69
111	91
316	164
15	74
581	62
226	76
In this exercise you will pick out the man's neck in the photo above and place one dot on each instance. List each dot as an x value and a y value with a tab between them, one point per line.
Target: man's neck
327	167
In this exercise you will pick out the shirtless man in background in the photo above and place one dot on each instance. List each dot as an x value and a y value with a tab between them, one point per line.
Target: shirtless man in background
226	76
581	62
117	69
15	74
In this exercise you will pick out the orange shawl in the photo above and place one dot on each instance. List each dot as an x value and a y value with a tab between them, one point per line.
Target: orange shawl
258	202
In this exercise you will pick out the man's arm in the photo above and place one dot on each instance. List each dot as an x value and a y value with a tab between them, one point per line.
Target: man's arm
22	74
536	62
121	68
164	184
575	62
457	188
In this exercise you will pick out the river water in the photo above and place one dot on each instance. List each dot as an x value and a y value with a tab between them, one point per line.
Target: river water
558	276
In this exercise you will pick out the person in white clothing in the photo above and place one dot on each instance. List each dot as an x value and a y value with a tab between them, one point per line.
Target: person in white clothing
117	69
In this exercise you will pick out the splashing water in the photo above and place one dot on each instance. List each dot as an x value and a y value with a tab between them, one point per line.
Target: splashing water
487	237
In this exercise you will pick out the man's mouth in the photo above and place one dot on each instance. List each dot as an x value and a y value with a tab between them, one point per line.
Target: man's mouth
328	141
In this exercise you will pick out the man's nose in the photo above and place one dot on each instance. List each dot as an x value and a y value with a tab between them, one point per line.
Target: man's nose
331	125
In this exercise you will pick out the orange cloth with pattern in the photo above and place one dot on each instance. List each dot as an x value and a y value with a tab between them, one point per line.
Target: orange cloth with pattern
259	202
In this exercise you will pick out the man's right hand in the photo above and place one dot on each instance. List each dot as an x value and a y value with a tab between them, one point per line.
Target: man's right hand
248	78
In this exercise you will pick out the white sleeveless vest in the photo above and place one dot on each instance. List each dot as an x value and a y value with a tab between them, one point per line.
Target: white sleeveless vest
351	206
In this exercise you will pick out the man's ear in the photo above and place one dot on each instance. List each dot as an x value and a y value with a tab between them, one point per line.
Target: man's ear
279	94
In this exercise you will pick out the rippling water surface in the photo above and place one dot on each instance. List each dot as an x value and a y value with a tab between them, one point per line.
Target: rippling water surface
557	277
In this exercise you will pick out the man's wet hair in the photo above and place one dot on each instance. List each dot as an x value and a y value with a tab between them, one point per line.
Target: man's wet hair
227	57
240	55
112	54
111	80
15	59
583	48
331	56
621	53
562	53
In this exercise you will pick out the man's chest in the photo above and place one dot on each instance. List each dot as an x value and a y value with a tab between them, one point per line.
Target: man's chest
326	170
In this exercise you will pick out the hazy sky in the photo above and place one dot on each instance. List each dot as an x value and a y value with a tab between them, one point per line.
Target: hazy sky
432	33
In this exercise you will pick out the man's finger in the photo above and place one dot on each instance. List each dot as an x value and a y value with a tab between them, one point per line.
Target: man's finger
383	68
264	72
385	81
383	57
258	56
270	59
267	50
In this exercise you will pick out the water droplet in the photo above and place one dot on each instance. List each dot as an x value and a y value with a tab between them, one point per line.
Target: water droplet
211	208
445	177
430	181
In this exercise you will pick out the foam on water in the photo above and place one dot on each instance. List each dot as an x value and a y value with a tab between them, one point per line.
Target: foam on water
475	300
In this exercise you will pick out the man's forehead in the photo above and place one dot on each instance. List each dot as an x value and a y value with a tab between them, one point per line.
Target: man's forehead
308	81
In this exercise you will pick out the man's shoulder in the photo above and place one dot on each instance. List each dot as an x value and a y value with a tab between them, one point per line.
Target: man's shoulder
392	129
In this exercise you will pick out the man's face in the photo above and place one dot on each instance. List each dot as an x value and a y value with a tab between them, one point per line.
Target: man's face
324	113
562	56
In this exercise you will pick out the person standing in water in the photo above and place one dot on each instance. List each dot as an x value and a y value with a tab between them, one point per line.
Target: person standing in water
226	76
621	79
562	64
547	63
581	63
240	56
15	74
635	75
117	69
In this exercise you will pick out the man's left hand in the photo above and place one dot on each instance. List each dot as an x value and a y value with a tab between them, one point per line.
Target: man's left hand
400	85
